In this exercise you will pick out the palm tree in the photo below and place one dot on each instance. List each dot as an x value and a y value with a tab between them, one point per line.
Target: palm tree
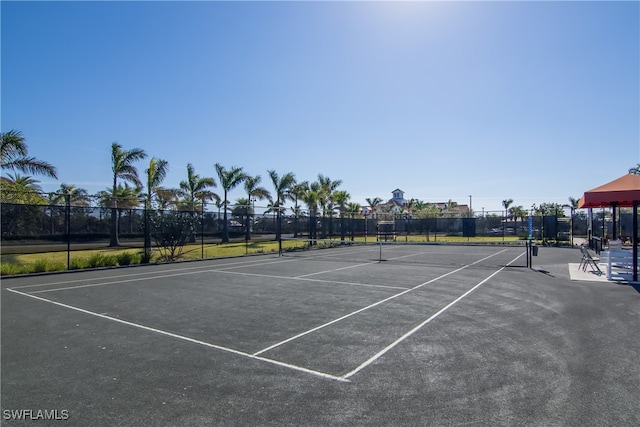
125	197
19	189
311	198
14	156
195	190
635	170
229	179
283	186
373	204
77	196
155	174
122	167
340	198
327	187
254	192
25	184
573	205
297	192
353	209
505	203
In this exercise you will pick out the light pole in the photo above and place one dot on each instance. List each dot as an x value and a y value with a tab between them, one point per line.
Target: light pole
469	205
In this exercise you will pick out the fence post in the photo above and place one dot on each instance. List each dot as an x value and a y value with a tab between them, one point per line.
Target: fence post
147	235
67	220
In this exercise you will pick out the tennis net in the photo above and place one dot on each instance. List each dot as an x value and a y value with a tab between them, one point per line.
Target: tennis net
406	252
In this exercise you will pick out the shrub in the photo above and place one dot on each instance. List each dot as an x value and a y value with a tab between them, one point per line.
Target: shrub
101	260
44	265
9	269
127	258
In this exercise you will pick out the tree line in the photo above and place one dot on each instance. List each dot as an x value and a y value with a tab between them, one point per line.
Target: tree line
129	189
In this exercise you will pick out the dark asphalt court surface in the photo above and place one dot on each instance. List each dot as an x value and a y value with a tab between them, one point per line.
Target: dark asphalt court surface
472	337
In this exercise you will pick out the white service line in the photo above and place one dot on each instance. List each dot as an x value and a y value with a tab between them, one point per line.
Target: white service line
415	329
246	263
346	316
335	282
183	338
335	269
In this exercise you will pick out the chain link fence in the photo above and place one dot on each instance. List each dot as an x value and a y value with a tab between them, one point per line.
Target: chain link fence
64	223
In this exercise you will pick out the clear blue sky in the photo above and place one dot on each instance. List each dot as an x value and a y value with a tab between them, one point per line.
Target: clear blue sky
535	101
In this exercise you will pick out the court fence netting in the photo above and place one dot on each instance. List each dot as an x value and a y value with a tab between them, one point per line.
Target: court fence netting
48	224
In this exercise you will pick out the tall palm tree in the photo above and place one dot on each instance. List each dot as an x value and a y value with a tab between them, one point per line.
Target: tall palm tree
195	189
353	209
311	198
229	179
327	187
254	192
77	196
122	167
505	204
373	204
14	156
297	192
340	198
573	205
282	186
155	174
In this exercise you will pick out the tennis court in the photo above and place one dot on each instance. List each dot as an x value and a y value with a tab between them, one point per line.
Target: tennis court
347	335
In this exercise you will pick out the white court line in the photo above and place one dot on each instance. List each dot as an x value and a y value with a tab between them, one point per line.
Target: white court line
414	330
336	282
246	263
346	316
183	338
335	269
181	272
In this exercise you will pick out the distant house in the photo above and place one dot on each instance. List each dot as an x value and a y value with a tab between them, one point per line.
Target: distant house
398	205
398	197
463	209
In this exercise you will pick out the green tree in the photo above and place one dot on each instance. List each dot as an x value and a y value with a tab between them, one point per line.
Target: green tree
254	192
311	198
26	184
14	156
77	196
340	198
195	190
353	210
155	174
297	192
122	167
327	187
282	186
19	189
229	179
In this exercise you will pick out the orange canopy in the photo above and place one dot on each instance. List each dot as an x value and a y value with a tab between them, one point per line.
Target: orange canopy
619	192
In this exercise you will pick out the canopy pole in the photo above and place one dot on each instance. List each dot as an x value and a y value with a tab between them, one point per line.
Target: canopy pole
614	233
635	240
